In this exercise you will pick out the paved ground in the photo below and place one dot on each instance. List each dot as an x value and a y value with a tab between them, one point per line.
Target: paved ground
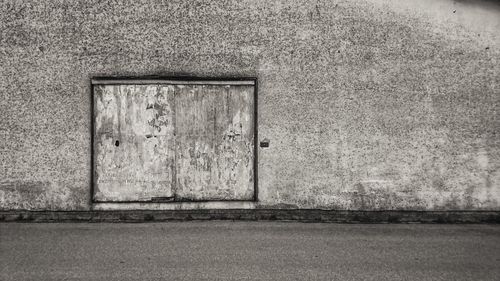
248	251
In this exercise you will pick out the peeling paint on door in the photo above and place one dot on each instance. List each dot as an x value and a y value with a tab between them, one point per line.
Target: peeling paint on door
176	142
134	142
214	142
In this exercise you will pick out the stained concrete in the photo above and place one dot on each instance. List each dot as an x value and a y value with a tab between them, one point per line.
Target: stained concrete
367	104
196	211
248	251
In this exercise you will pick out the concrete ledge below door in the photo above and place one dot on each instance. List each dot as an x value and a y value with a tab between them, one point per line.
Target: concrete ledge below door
255	214
208	205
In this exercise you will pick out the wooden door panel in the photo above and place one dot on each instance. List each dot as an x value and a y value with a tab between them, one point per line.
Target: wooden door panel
134	142
215	130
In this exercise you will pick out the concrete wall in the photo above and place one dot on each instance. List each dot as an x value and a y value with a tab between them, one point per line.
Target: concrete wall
369	105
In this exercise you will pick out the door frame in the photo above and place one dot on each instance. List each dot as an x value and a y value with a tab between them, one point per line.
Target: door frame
182	80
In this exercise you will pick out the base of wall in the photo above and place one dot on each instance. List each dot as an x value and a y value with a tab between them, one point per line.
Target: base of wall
255	215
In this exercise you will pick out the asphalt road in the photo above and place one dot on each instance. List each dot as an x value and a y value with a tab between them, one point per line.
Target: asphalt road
218	250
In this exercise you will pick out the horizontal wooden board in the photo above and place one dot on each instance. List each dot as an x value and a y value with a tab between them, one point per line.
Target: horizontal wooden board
170	82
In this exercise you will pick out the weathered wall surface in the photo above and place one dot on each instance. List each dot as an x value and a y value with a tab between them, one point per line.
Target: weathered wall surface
370	105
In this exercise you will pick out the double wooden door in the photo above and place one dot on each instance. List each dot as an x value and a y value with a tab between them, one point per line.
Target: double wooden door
168	140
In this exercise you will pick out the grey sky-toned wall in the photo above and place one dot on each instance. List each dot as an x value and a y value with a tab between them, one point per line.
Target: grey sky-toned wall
368	105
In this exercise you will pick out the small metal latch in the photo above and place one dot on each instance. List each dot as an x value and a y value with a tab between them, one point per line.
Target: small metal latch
264	143
162	199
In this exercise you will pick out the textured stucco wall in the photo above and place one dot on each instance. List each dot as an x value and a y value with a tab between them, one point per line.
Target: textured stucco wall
371	104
